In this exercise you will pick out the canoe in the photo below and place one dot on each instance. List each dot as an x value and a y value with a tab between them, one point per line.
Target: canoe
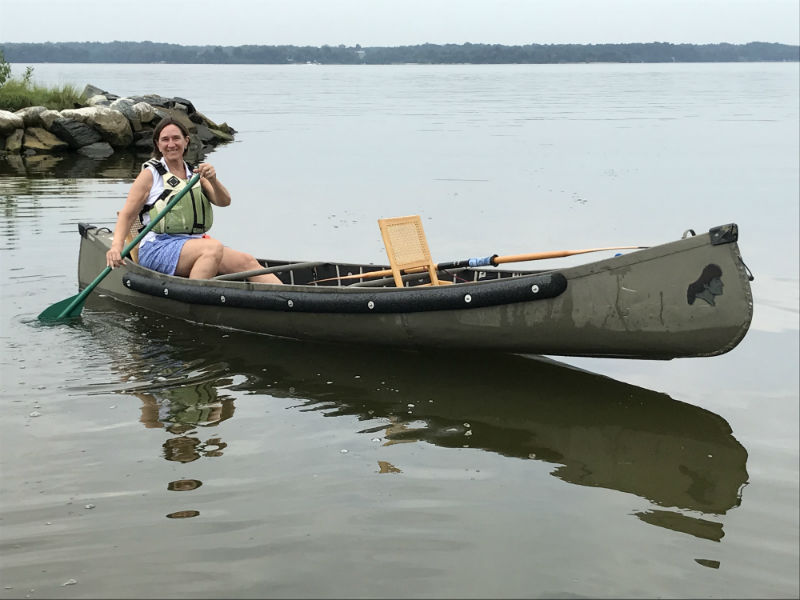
686	298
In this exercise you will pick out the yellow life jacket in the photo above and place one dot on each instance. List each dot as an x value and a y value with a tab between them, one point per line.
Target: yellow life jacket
192	213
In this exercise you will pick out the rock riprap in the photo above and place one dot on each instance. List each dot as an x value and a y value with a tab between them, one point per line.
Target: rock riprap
107	124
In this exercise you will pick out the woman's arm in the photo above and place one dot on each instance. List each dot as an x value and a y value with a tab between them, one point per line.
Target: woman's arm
214	190
137	196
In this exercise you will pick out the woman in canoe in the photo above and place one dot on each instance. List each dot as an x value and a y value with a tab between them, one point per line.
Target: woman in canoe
179	245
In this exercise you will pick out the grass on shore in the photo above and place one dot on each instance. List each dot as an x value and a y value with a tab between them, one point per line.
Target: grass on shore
20	93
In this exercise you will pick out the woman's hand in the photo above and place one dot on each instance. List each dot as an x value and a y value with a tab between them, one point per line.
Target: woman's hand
216	193
206	171
114	258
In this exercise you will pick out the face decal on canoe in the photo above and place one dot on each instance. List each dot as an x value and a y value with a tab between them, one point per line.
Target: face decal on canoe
707	286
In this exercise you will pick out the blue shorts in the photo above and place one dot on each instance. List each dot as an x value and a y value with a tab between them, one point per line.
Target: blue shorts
162	253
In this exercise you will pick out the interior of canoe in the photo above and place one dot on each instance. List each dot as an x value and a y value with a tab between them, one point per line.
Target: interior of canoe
411	272
410	264
359	275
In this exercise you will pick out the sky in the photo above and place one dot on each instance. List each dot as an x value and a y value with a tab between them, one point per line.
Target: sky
402	22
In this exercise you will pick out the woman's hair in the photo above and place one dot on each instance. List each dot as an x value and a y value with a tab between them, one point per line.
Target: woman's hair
710	271
157	133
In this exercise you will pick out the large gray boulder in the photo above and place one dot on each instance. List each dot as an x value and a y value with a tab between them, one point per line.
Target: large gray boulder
14	142
38	116
98	100
178	115
144	112
143	140
40	140
221	127
112	125
177	103
92	90
125	106
75	133
222	135
205	134
79	114
10	122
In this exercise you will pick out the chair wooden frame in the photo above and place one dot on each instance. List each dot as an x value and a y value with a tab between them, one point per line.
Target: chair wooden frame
407	247
136	227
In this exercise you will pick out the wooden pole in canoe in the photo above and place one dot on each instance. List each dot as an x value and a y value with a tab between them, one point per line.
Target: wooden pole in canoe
555	254
486	261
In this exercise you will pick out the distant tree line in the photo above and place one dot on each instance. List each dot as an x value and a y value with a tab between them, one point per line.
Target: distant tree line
151	52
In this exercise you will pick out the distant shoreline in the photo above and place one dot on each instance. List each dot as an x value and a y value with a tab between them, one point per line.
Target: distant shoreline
411	64
467	53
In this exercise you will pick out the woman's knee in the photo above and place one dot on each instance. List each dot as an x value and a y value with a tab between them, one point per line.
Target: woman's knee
204	254
235	261
212	248
248	259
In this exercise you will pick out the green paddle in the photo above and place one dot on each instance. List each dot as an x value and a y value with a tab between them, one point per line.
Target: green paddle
72	307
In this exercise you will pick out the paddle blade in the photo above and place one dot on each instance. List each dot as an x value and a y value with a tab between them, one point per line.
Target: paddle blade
55	313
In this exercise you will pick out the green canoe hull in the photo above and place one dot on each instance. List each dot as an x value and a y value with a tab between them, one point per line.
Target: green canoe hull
686	298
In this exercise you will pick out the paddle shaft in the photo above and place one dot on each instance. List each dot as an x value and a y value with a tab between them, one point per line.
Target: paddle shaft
495	260
486	261
80	298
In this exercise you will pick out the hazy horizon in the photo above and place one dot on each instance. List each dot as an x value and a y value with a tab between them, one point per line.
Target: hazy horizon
392	23
476	43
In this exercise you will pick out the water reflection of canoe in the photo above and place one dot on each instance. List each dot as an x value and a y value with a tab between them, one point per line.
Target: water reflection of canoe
596	430
599	431
690	297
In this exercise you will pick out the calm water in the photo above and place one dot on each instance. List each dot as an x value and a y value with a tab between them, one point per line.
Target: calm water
144	457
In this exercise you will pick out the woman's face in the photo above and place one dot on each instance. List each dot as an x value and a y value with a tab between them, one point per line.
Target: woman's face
172	143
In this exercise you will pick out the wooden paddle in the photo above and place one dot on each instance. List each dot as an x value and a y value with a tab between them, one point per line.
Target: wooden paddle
495	260
72	307
486	261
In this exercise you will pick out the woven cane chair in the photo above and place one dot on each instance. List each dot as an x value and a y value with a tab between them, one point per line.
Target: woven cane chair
407	247
136	227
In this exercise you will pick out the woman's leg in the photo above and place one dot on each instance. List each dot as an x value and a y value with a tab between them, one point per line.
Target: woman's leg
234	261
200	258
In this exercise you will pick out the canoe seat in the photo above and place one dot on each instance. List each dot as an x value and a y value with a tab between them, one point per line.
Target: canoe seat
407	248
136	226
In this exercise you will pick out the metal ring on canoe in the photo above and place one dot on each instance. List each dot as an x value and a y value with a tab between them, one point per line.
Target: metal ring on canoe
341	300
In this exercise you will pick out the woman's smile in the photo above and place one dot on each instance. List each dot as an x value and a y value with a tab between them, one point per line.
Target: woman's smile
171	141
